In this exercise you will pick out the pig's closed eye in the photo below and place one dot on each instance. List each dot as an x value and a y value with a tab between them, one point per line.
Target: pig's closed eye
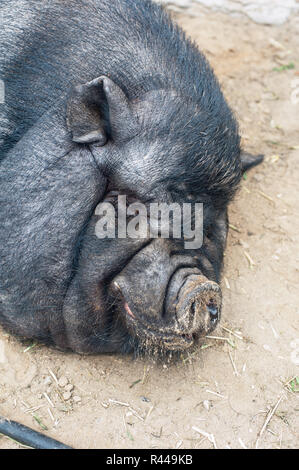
183	195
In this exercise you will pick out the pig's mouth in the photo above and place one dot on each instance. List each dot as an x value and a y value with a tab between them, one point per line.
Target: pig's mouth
195	314
163	337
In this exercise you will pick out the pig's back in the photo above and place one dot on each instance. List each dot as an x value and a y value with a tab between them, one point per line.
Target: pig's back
48	46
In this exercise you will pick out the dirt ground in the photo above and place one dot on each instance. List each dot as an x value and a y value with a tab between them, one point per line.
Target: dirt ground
244	379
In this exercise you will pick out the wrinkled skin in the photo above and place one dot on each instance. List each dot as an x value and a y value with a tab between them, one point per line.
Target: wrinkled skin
106	98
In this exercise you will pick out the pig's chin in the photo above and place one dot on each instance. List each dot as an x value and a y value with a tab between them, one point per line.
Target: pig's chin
151	338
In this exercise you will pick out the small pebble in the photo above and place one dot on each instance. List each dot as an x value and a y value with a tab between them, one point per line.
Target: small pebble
76	399
69	387
67	395
206	404
258	177
63	381
47	380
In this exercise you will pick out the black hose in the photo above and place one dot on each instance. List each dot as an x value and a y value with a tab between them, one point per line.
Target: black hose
28	436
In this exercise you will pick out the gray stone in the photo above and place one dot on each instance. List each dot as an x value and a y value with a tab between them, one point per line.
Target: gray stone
271	12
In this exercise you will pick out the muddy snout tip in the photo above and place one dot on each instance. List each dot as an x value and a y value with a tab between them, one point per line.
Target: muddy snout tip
199	305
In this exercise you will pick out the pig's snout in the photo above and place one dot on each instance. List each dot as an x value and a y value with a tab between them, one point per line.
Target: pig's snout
170	309
198	307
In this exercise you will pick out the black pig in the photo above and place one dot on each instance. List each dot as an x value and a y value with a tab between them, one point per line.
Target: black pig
106	98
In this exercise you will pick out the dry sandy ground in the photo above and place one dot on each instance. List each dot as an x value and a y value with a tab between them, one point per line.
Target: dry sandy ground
230	388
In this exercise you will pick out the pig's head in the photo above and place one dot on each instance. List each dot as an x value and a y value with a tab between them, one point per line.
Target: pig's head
60	282
157	148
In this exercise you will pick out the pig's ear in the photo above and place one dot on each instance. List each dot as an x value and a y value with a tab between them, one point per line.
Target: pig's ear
85	113
99	110
248	160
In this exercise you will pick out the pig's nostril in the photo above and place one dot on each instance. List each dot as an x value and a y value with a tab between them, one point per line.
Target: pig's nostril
213	311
